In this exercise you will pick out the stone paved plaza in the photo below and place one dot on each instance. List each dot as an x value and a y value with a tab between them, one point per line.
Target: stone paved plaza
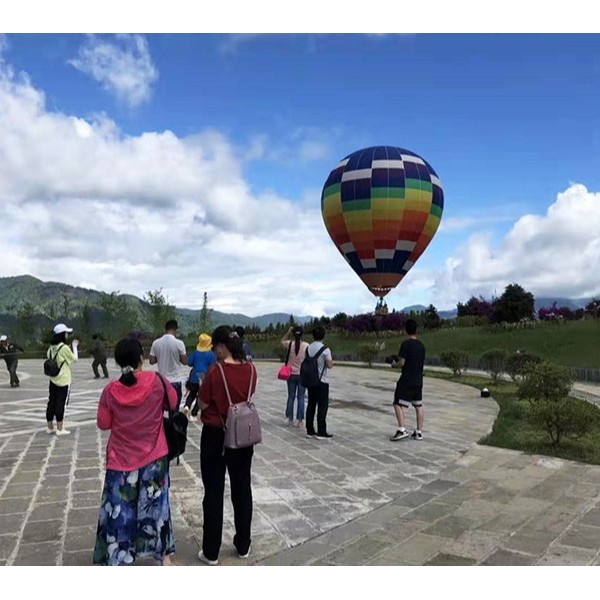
357	499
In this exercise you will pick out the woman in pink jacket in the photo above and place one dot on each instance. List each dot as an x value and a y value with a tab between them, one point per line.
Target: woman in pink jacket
135	515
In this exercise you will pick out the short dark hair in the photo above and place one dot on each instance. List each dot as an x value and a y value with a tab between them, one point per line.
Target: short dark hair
172	324
318	333
410	327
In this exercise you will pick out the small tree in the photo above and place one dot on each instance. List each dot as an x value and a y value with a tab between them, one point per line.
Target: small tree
455	360
431	319
546	381
368	352
494	362
519	363
25	325
567	416
205	316
162	311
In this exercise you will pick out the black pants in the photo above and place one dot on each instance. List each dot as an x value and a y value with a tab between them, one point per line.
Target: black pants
102	363
318	399
177	386
58	396
192	395
213	463
12	370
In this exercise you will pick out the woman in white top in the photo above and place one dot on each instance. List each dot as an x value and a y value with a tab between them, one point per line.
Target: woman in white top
297	349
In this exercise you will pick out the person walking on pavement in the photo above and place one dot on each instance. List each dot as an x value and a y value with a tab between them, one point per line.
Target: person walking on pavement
240	378
169	354
409	389
318	397
135	513
60	385
200	359
9	351
296	349
99	354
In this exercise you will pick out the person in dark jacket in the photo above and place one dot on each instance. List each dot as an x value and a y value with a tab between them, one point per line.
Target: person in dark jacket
99	354
9	351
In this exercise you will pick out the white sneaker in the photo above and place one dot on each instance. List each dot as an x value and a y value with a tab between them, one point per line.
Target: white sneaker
247	553
62	432
49	431
207	560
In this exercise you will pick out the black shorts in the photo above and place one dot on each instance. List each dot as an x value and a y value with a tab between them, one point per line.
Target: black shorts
406	394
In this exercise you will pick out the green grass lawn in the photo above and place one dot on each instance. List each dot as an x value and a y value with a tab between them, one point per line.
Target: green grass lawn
572	344
511	429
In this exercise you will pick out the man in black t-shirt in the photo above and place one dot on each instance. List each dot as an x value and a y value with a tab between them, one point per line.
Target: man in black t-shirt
409	389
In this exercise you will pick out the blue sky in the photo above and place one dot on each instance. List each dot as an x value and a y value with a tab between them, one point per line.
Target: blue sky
195	162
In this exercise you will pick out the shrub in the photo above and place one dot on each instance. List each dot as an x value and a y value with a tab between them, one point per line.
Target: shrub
547	382
519	363
470	321
494	362
455	360
567	416
368	352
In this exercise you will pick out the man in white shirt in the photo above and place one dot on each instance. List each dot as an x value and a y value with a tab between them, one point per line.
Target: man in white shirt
169	353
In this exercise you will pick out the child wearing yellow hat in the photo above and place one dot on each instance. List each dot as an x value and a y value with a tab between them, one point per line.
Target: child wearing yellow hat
199	360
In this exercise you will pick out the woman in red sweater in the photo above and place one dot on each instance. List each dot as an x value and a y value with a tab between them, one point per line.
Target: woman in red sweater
214	458
135	515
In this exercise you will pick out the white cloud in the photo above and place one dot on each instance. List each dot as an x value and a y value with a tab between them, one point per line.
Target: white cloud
121	64
555	254
83	203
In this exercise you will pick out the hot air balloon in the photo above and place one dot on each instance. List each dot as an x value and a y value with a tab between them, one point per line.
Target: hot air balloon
382	206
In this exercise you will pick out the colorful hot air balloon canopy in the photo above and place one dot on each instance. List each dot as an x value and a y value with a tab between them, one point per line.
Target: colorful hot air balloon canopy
381	207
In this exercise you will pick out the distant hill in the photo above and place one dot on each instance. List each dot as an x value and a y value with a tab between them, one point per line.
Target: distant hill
47	302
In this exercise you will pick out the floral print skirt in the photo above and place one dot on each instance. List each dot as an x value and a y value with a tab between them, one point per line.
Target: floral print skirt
135	515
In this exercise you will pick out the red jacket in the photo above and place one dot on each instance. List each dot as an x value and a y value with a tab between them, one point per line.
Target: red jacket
212	390
134	416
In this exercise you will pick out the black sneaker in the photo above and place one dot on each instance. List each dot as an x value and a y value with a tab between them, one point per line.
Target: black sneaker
311	435
416	435
399	435
323	436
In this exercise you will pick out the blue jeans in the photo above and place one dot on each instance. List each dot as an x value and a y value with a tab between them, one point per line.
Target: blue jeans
295	388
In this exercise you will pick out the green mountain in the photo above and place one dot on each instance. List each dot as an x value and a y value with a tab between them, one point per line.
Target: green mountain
30	307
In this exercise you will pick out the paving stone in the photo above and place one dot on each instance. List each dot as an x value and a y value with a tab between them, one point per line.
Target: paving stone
46	494
509	559
450	526
24	477
22	490
87	485
450	560
49	511
530	541
7	544
86	499
57	481
414	499
418	549
79	517
568	556
38	554
431	512
581	536
592	517
41	531
359	551
439	486
80	538
80	558
474	544
10	506
11	523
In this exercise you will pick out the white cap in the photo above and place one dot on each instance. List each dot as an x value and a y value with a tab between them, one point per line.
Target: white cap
3	338
62	328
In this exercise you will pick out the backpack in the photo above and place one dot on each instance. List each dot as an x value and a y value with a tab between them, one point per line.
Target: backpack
309	369
242	428
175	426
51	368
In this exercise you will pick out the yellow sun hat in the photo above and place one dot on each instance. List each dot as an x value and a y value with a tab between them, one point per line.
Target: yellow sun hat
204	342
